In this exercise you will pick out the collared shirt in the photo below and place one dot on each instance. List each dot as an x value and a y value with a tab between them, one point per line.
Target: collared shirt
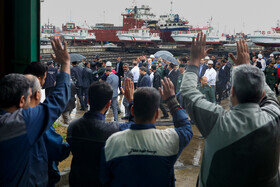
135	72
211	76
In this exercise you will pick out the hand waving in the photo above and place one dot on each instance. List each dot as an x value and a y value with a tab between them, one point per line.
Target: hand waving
61	55
198	50
168	89
243	56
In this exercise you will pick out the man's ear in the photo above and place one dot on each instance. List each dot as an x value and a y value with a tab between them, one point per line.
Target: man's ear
21	102
132	110
232	91
157	114
37	95
108	104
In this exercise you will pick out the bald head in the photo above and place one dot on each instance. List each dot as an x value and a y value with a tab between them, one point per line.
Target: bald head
204	81
36	90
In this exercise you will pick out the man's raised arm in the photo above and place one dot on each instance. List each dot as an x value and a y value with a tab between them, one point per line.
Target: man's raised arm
40	118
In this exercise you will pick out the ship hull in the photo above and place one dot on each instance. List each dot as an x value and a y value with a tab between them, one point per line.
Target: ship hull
266	41
187	38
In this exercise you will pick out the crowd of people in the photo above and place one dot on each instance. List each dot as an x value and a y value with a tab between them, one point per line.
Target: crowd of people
241	145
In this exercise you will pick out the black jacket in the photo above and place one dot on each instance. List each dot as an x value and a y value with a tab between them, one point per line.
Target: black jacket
51	77
86	137
87	77
156	80
76	75
120	71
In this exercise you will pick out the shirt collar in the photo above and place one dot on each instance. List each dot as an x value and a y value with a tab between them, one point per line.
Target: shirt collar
94	115
142	126
2	112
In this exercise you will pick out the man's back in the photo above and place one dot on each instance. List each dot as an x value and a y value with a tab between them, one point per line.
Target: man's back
51	77
86	137
76	75
21	129
87	77
240	145
145	156
113	80
145	81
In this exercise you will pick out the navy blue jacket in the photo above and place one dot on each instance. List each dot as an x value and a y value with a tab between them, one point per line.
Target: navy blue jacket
202	71
51	77
76	75
87	137
21	130
145	81
144	155
87	77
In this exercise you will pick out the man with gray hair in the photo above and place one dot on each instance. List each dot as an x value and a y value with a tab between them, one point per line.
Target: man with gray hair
241	145
35	89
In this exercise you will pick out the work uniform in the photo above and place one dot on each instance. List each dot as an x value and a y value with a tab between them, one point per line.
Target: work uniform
271	77
21	130
241	145
208	92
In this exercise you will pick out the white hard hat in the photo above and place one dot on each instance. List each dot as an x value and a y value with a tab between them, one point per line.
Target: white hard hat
271	54
109	64
207	58
152	56
210	62
260	56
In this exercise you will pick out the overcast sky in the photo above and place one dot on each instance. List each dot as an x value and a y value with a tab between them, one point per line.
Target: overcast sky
228	15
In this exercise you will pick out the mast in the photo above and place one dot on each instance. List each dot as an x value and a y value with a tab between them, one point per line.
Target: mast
171	7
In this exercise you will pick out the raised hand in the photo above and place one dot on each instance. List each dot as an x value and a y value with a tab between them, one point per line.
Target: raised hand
243	56
61	55
128	89
198	49
168	89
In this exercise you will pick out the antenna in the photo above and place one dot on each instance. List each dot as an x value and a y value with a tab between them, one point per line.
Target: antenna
133	3
171	7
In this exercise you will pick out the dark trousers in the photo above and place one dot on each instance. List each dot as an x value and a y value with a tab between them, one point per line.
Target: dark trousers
85	96
120	84
80	96
162	108
276	88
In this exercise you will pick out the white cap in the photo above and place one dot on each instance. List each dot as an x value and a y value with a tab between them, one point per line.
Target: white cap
109	64
271	54
152	56
210	62
260	56
207	58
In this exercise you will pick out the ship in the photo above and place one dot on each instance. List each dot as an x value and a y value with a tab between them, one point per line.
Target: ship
267	39
187	36
137	17
136	35
48	31
212	38
75	35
